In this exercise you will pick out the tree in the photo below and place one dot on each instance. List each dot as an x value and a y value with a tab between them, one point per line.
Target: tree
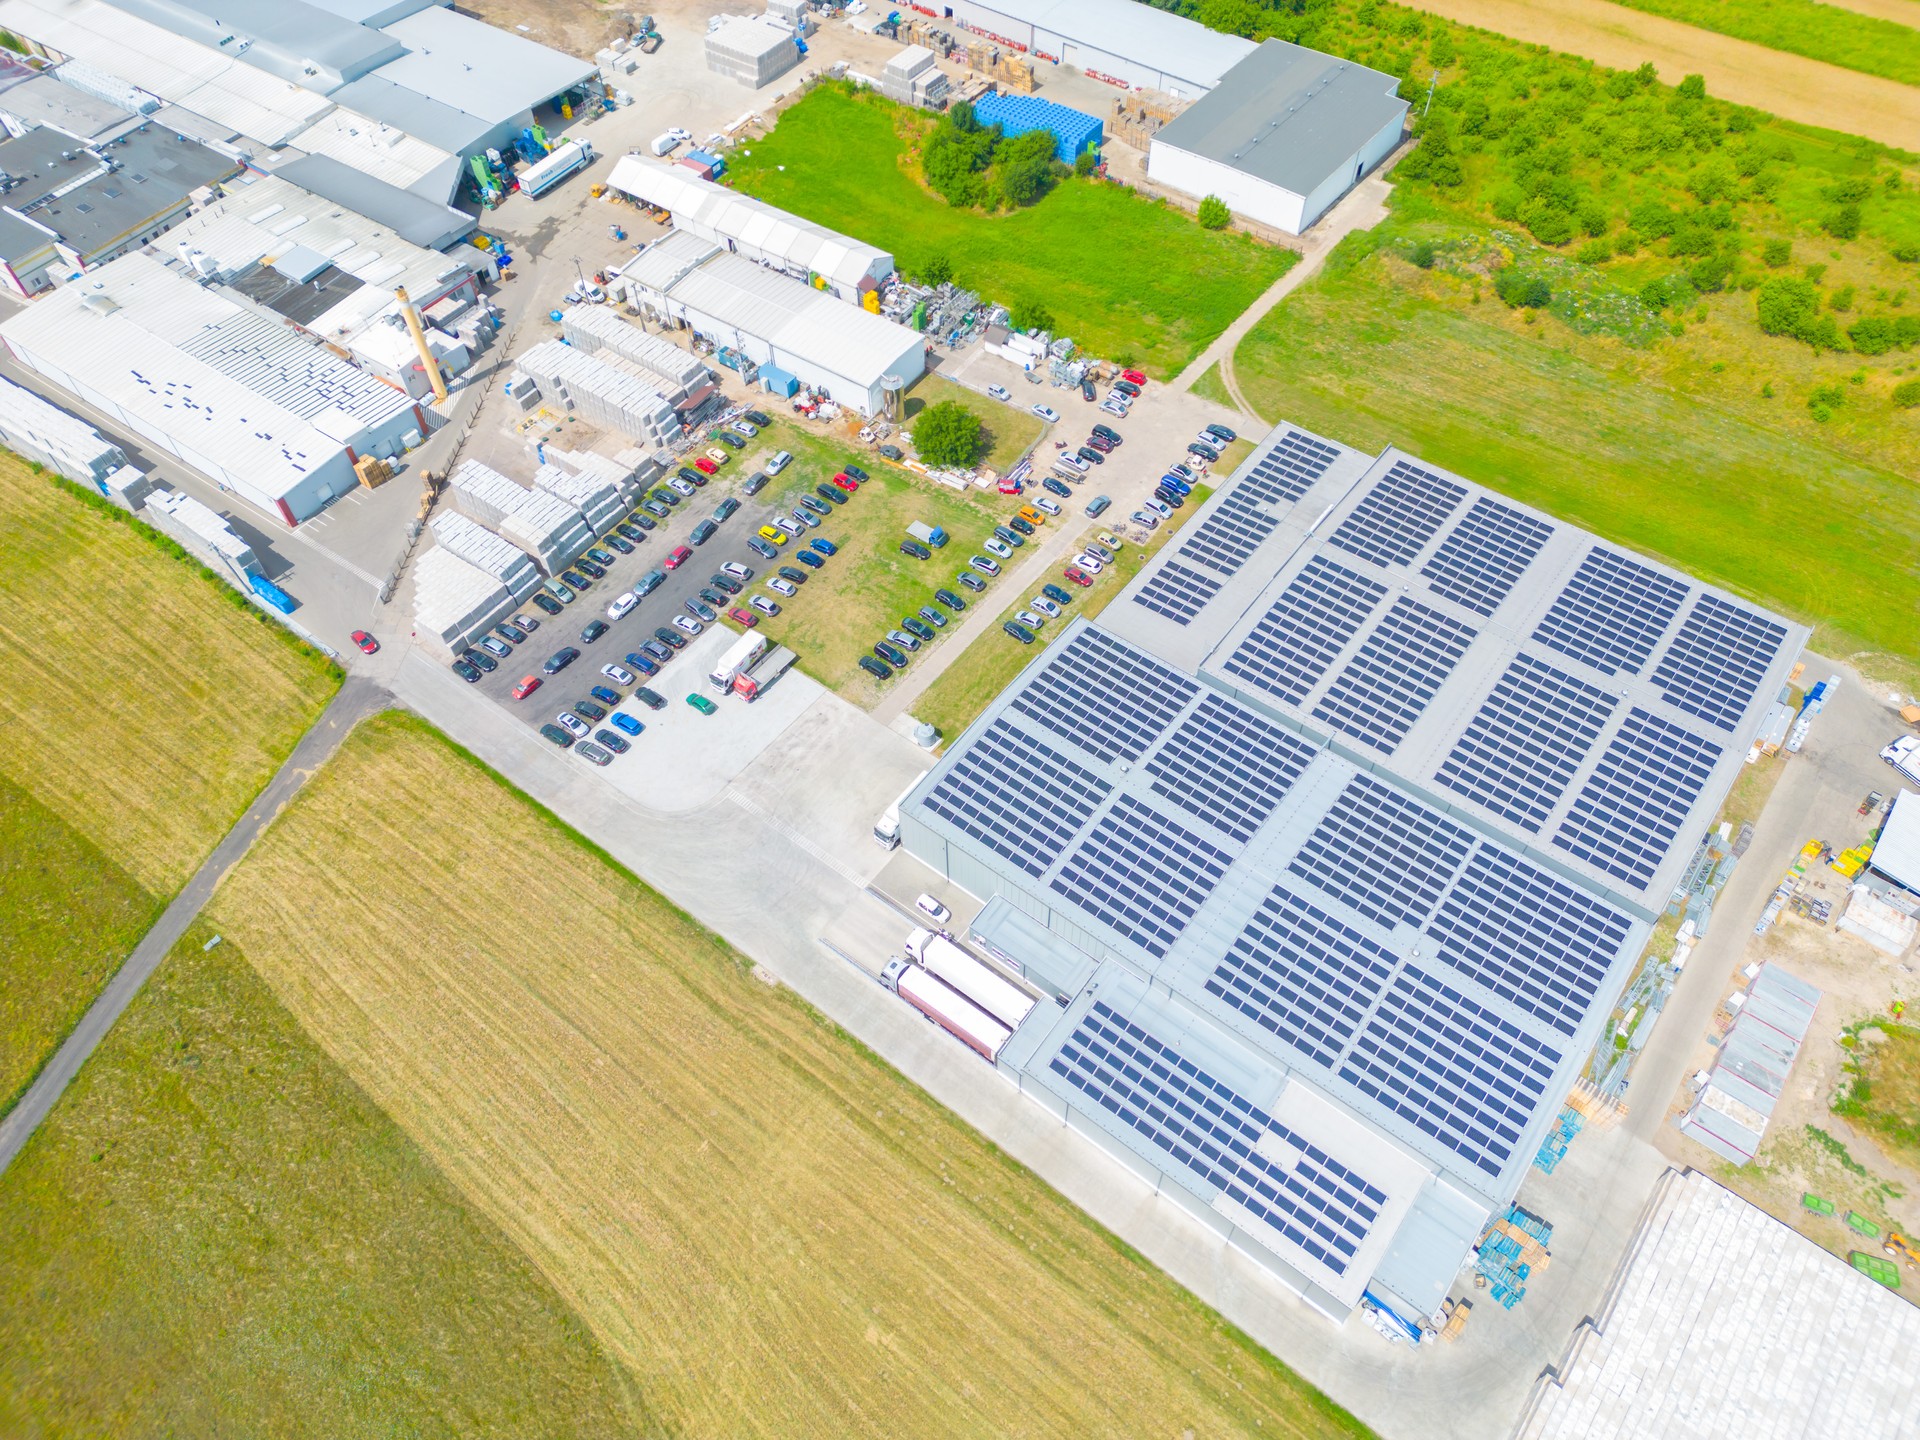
1214	213
1026	167
1692	87
1031	315
1549	223
1086	162
937	271
1232	17
1843	222
1784	304
949	435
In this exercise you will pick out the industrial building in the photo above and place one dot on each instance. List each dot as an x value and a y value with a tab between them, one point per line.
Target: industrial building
1772	1017
831	262
760	319
41	431
1724	1324
756	50
1283	136
1122	42
215	381
1336	838
70	208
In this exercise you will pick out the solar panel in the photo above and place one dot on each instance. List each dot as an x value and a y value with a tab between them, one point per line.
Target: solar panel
1288	471
1525	743
1388	683
1626	816
1278	1176
1528	937
1612	613
1303	975
1227	766
1386	855
1019	797
1487	552
1141	874
1177	592
1452	1067
1399	515
1109	698
1718	659
1311	622
1229	535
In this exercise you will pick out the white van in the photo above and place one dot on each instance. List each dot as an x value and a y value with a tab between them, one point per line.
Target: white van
665	144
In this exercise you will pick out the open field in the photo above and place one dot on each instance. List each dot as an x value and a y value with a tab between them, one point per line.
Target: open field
144	707
1011	432
774	1232
1154	300
217	1233
1819	31
1884	1098
1648	448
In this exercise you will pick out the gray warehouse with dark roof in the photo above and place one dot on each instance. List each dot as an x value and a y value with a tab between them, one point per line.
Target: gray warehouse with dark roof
1284	135
1335	839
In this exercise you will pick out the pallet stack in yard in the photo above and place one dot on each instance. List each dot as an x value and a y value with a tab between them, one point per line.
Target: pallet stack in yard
1554	1148
1511	1252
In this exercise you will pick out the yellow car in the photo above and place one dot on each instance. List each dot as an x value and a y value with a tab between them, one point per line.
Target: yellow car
1112	542
718	456
773	536
1031	515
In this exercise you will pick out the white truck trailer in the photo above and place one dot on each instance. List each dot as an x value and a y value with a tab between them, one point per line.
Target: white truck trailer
947	1008
973	978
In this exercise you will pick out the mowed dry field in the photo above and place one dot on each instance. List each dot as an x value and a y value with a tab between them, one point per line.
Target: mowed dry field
1789	85
774	1232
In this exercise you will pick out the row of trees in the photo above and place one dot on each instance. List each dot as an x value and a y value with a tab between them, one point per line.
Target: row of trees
976	166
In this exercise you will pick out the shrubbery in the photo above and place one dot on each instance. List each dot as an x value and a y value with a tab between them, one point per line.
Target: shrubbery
948	434
975	166
1214	213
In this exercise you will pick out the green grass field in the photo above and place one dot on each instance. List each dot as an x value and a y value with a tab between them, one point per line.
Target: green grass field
217	1233
1011	432
1648	448
1124	276
1830	33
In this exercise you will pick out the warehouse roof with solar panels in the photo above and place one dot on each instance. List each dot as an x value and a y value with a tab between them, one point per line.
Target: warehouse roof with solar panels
1363	799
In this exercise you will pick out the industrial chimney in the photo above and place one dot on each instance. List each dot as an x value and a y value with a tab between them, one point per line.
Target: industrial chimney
419	333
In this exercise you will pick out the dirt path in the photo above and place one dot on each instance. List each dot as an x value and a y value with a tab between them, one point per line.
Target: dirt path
1901	12
1788	85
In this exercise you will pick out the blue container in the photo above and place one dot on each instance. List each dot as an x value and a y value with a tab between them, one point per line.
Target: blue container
1073	130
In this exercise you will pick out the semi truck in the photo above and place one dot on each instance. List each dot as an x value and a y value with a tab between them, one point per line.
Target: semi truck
768	668
931	535
981	985
543	175
886	830
947	1008
735	659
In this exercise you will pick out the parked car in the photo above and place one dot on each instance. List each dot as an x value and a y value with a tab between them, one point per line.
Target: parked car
496	647
933	617
622	604
1114	408
1205	452
1046	505
892	654
573	580
480	660
857	473
736	570
612	740
789	527
693	477
1046	413
701	703
781	459
903	639
635	528
1112	542
678	556
368	645
466	672
573	724
1087	392
743	617
718	456
524	623
744	428
728	439
1077	575
725	510
1020	526
783	587
1129	387
1170	497
669	639
1089	563
650	582
756	482
688	624
820	545
556	735
893	453
1157	507
545	603
593	630
809	559
1055	593
656	508
764	605
879	669
592	753
588	710
1099	552
642	662
971	581
915	549
1009	536
845	482
761	548
1098	506
627	723
917	627
1107	432
759	417
1145	519
998	547
1221	434
1044	606
1100	443
1091	455
793	576
827	492
772	535
1133	377
1000	392
1072	462
661	653
612	538
680	487
983	565
701	610
950	600
528	684
652	699
1055	487
805	519
1018	631
705	466
704	532
599	556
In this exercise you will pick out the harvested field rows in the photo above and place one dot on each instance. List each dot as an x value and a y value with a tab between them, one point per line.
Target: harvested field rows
776	1233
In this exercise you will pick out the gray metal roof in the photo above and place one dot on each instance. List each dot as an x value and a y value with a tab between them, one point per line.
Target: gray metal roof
154	171
470	65
1287	115
310	46
45	100
1178	47
446	126
412	217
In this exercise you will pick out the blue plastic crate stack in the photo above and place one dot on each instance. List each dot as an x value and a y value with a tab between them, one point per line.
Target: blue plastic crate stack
1512	1252
1554	1148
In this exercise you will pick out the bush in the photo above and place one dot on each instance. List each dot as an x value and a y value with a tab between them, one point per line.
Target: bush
1907	254
948	434
1842	223
1593	218
1595	252
937	271
1784	304
1025	167
1776	253
1831	396
1422	254
1031	315
1710	275
1522	292
1549	224
1214	213
1653	295
1086	162
1693	87
1907	394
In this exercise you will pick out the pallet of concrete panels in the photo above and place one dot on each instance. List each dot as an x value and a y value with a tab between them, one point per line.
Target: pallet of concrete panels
591	329
601	390
546	527
598	500
454	603
486	551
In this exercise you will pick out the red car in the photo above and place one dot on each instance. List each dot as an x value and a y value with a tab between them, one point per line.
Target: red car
366	642
1136	376
740	615
1077	575
705	466
1010	487
681	554
846	482
526	687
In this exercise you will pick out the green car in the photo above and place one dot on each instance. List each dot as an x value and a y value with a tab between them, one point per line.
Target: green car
702	704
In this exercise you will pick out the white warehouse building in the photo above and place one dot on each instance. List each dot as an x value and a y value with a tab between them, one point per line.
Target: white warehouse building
1120	41
1286	133
774	321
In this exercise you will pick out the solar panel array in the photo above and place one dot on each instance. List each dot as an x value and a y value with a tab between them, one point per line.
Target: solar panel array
1478	563
1529	937
1288	471
1142	875
1384	853
1387	684
1107	697
1020	798
1523	746
1311	622
1177	591
1316	1202
1229	535
1303	975
1453	1068
1626	816
1399	514
1612	613
1720	655
1228	767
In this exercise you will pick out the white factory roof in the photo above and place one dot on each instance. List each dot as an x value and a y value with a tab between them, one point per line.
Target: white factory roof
477	68
709	209
1724	1324
186	361
448	592
1156	38
372	147
1896	854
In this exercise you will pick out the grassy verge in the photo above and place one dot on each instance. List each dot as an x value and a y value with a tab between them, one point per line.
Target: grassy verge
1010	432
1211	387
1828	33
218	1233
989	665
1155	297
1645	447
758	1218
1882	1097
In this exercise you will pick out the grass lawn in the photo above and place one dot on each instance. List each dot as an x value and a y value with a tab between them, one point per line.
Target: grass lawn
989	665
1805	27
1126	277
1011	432
1648	448
145	706
762	1221
1884	1098
218	1233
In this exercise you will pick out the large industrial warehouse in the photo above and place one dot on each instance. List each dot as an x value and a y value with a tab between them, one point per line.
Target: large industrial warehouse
1336	838
1116	40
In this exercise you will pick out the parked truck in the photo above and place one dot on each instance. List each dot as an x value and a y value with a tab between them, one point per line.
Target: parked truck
931	535
1904	755
886	830
947	1008
543	175
762	672
735	660
976	980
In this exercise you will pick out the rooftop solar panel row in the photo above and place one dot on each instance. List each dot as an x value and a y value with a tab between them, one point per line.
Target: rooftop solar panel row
1486	553
1386	686
1142	875
1107	697
1525	743
1612	612
1021	799
1312	621
1228	767
1626	816
1399	514
1383	852
1720	655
